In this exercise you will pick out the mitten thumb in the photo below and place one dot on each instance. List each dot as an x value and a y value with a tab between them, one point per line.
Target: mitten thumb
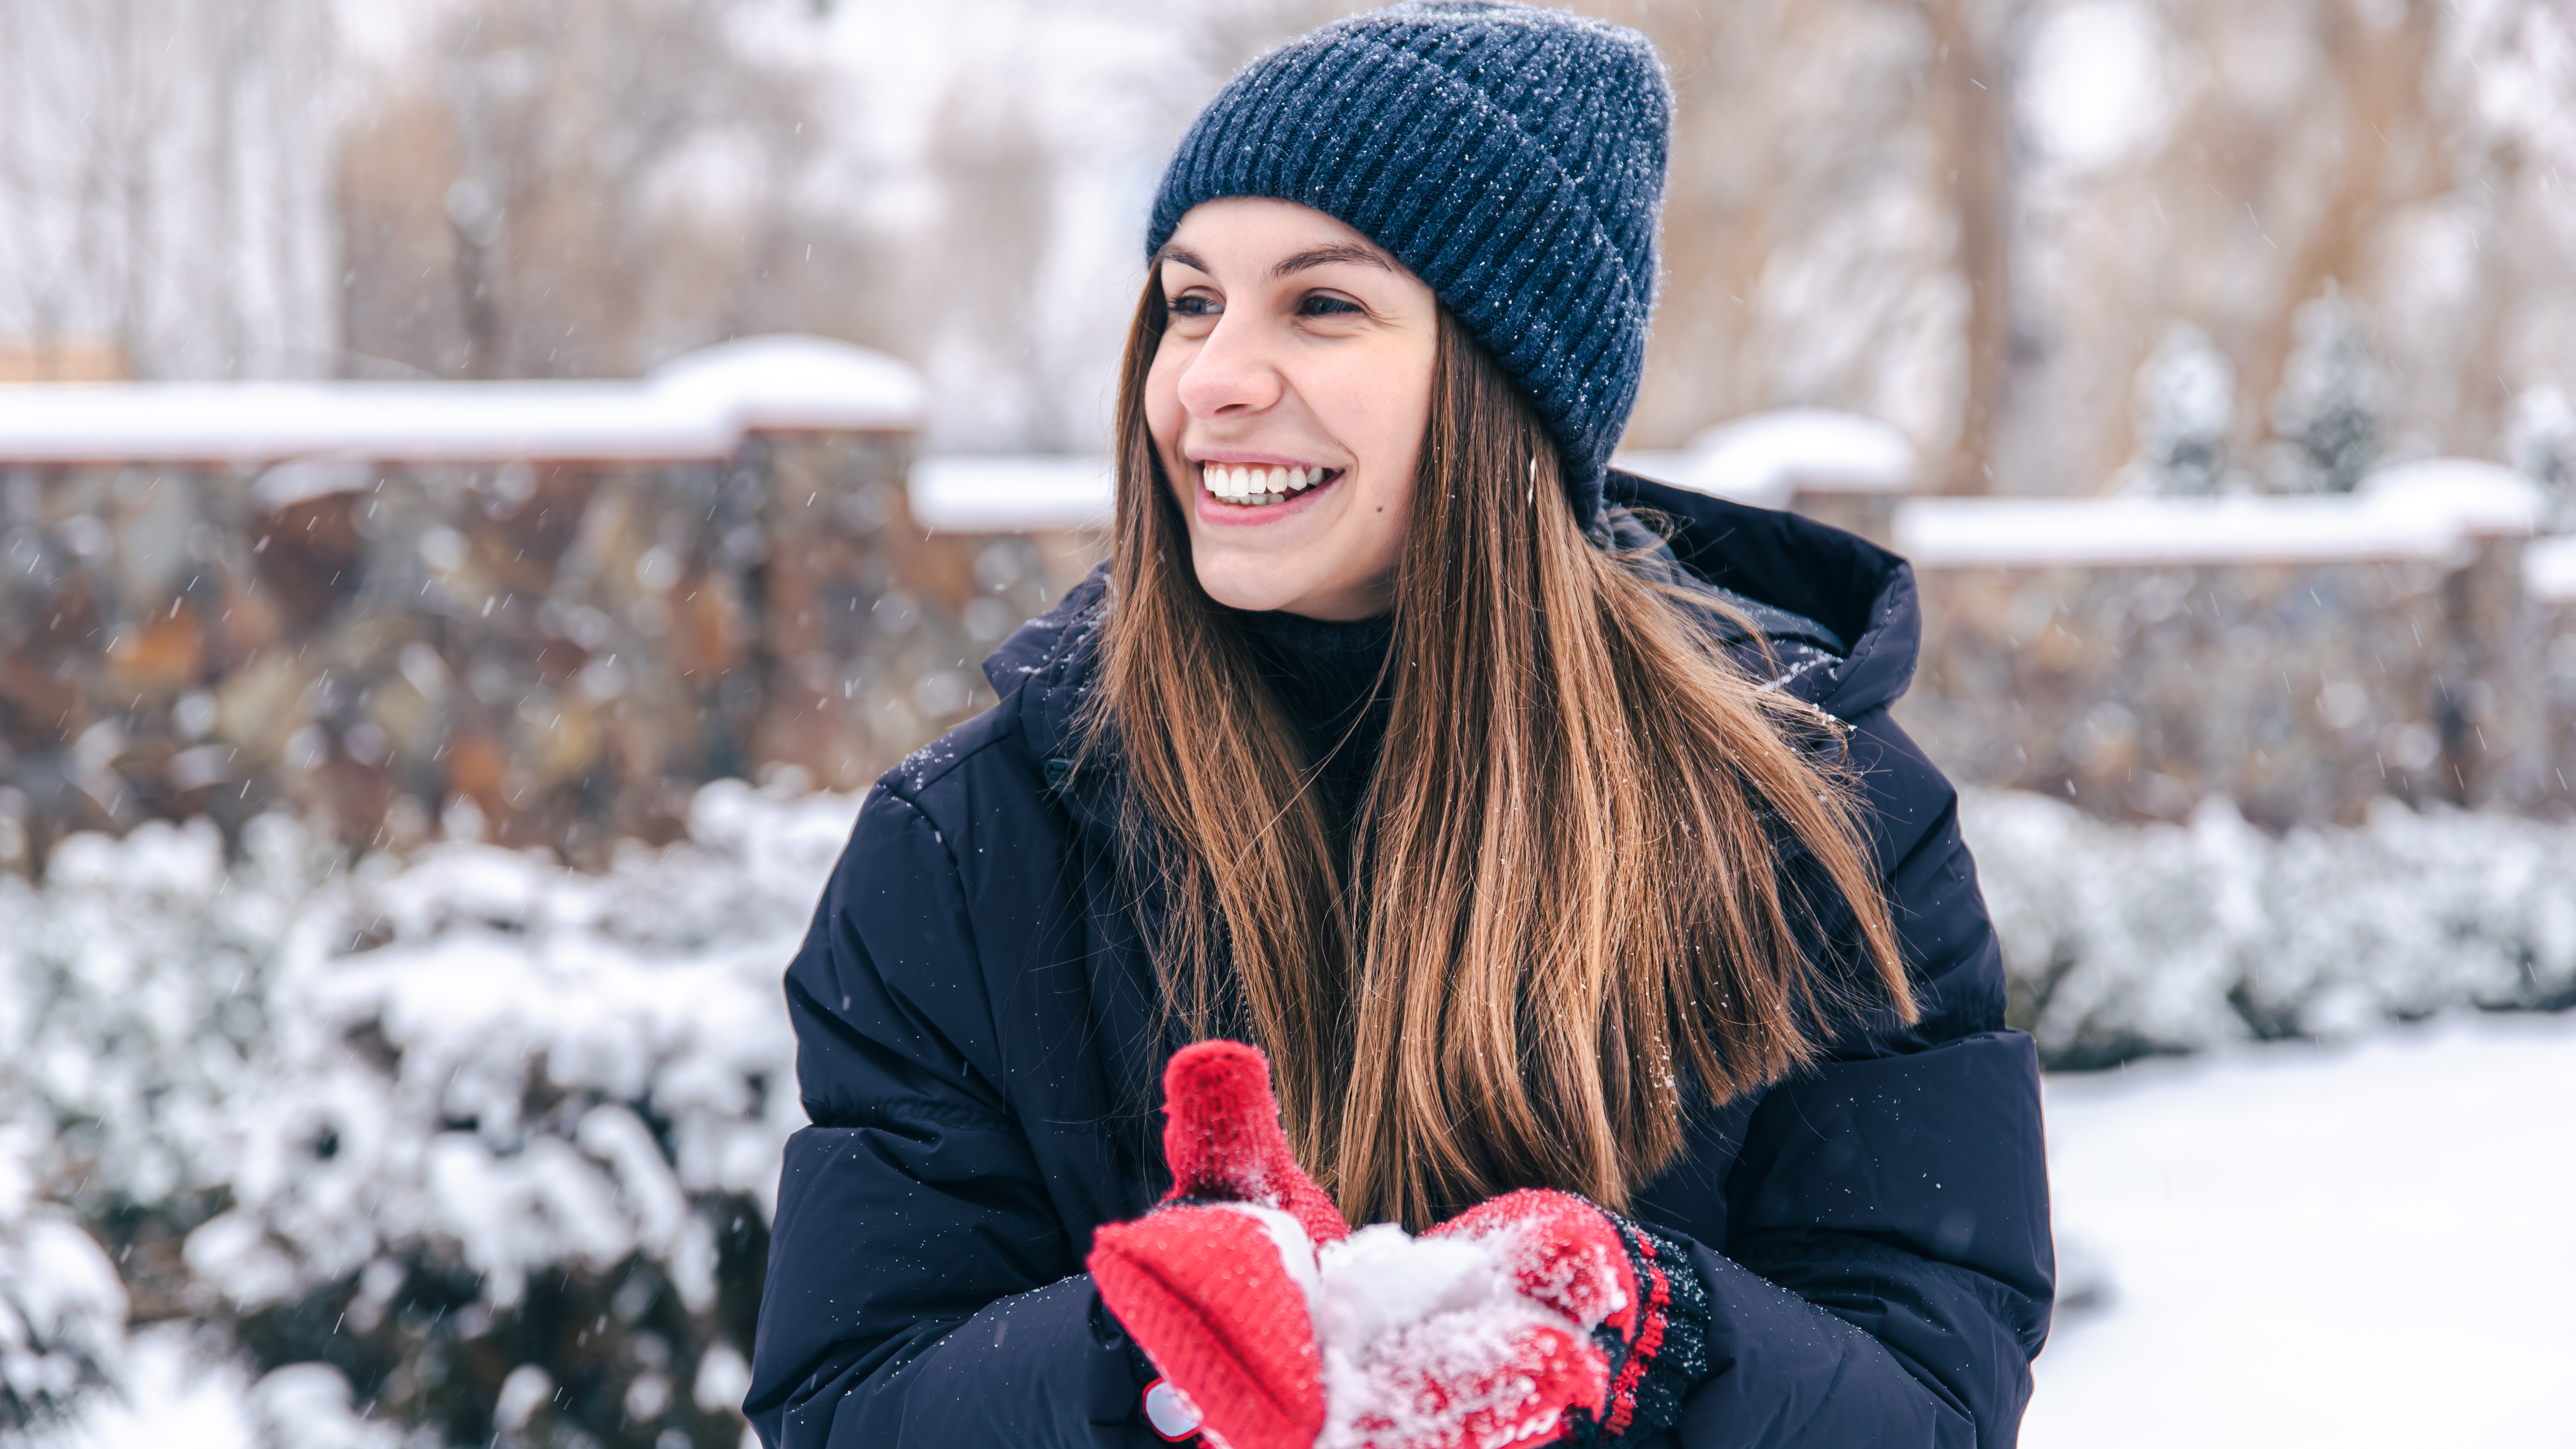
1222	1139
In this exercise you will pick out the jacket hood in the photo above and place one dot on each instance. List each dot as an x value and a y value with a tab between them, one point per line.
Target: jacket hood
1786	561
1782	563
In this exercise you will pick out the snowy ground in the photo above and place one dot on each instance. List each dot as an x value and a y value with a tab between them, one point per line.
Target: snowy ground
2356	1245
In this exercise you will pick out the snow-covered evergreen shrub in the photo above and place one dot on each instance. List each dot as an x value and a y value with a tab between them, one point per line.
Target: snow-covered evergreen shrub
131	989
461	1122
2186	411
2540	440
140	983
2126	939
2331	408
62	1310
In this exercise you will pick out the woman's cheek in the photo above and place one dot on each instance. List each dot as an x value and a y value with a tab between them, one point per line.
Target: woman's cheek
1162	396
1389	422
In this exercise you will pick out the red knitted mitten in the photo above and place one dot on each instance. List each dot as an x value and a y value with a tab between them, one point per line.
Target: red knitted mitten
1633	1290
1213	1283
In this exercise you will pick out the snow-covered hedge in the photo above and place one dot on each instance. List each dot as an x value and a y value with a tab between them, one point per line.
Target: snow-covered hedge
62	1310
2124	939
496	1140
483	1147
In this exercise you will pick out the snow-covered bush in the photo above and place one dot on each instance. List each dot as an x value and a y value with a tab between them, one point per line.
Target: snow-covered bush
536	1066
2540	440
2125	939
2186	412
468	1148
448	1125
2332	405
136	989
62	1310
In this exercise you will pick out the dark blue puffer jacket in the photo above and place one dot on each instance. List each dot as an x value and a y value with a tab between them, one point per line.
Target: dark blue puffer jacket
978	1052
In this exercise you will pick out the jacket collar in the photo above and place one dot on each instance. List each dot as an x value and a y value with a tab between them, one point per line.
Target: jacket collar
1044	671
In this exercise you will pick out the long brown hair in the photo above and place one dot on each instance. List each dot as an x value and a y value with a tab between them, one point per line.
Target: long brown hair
1568	876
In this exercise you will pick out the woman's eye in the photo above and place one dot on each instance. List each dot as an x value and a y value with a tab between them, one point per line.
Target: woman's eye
1322	306
1194	304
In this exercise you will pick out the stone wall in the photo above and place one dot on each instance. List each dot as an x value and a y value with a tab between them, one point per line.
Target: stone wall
557	655
543	654
2302	691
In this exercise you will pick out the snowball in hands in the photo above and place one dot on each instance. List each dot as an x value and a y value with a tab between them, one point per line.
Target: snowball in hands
1429	1342
1432	1342
1474	1336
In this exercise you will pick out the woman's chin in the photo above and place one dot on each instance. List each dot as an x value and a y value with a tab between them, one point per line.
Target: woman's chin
1253	591
1309	592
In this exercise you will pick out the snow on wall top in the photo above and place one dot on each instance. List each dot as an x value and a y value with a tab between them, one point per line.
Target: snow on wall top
696	406
1012	494
1770	454
792	383
2549	570
1763	458
2426	510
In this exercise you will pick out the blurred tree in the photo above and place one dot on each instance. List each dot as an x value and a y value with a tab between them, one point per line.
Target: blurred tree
1969	94
585	187
1838	230
997	227
2402	151
164	195
2371	82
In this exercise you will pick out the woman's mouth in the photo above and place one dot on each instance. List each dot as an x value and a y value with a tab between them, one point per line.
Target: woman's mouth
1255	486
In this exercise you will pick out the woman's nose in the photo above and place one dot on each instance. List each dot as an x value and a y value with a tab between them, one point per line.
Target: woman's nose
1233	372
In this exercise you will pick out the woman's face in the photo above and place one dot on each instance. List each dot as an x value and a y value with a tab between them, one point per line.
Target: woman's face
1288	400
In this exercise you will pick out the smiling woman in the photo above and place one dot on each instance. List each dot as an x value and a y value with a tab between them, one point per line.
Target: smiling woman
1444	835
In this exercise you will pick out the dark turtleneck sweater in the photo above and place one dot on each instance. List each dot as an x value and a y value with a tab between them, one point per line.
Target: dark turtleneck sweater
1321	673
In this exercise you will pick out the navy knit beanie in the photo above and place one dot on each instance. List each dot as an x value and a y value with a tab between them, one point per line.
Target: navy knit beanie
1512	157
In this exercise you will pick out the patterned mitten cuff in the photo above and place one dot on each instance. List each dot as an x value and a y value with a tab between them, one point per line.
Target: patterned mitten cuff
1652	1370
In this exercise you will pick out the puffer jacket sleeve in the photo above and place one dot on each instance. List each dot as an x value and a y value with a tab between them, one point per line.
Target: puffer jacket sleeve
922	1289
1878	1253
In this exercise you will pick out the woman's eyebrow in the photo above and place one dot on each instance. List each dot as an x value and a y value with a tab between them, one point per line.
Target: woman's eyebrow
1325	256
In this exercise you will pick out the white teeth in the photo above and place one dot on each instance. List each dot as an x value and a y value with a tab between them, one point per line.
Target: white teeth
1254	486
